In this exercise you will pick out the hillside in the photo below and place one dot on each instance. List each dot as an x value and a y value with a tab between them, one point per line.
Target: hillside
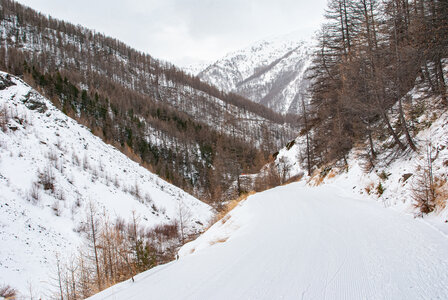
114	164
346	231
295	242
52	170
270	72
395	179
176	124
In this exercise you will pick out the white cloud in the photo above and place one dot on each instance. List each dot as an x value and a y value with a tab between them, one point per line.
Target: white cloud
188	31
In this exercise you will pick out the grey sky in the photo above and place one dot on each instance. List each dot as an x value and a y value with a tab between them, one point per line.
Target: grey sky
188	31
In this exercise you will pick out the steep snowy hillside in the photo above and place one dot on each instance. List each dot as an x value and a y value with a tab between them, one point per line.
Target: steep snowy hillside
51	170
297	242
270	72
396	176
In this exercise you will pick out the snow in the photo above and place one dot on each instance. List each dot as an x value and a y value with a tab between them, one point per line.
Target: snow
304	242
331	236
270	72
85	170
397	193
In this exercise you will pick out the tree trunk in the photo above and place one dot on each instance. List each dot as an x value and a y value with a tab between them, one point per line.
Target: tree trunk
398	85
391	130
442	84
405	127
93	232
308	154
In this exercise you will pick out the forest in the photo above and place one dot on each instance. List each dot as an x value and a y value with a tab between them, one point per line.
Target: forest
185	130
370	57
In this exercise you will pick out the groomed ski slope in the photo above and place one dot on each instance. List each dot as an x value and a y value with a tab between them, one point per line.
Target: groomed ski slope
298	242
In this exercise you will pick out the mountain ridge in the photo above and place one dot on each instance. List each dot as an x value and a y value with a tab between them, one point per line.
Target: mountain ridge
270	72
172	121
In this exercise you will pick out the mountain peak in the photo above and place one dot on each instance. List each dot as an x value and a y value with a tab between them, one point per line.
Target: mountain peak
270	72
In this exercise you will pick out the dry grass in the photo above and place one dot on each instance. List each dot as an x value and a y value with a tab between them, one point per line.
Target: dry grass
332	174
8	292
319	175
292	179
232	204
315	178
225	218
223	215
369	188
217	241
441	187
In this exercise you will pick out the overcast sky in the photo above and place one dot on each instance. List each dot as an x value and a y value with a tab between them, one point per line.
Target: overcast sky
188	31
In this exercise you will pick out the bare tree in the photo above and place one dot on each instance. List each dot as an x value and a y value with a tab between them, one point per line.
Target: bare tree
93	238
423	187
183	215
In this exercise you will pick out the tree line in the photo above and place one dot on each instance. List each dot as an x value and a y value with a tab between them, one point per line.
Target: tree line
113	251
370	55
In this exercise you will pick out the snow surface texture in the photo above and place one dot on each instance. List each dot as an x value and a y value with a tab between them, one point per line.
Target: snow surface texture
270	72
40	138
397	175
300	242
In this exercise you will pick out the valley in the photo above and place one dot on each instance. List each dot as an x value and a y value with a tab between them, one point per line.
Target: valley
297	165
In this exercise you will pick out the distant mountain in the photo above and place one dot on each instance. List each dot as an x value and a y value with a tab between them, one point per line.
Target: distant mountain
51	170
270	72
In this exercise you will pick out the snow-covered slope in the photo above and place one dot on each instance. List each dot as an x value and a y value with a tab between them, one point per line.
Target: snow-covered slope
395	176
299	242
270	72
38	141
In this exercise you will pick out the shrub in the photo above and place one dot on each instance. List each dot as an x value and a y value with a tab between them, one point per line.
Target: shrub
383	175
52	156
7	292
423	191
34	194
148	198
60	195
85	162
369	188
379	189
324	172
75	159
423	187
56	208
166	231
4	119
46	179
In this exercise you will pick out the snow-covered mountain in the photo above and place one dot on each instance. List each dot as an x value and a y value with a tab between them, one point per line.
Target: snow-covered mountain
156	107
270	72
51	170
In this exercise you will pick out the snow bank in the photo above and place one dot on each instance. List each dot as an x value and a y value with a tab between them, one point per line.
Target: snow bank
394	177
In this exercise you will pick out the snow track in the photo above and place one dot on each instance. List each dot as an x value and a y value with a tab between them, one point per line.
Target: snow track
297	242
